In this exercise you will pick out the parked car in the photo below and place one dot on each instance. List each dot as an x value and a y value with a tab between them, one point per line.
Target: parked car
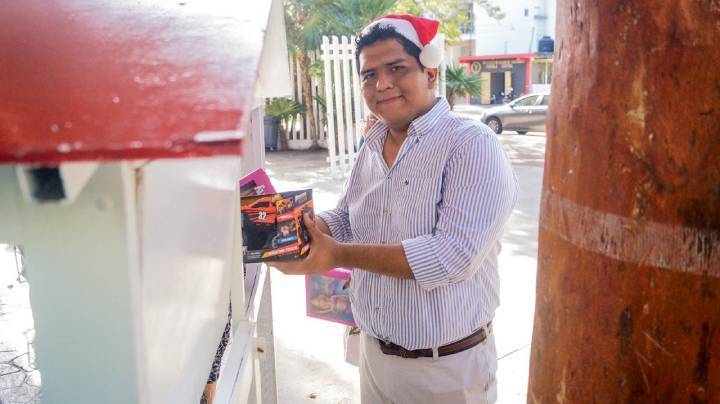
523	115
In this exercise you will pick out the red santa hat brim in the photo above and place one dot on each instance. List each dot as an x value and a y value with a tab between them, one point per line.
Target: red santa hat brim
418	30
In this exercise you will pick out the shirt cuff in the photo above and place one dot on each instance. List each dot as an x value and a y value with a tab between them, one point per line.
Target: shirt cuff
424	264
338	224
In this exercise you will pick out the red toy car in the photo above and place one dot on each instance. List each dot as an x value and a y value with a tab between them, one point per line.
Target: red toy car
260	211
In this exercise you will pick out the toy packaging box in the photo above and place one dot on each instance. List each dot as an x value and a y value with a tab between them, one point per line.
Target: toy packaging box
327	296
272	225
256	183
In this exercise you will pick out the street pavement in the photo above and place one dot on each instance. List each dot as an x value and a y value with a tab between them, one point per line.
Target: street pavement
309	352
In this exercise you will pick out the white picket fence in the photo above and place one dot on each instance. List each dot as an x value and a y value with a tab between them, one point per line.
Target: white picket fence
346	111
341	124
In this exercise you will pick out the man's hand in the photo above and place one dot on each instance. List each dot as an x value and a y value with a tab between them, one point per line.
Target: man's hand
326	254
323	255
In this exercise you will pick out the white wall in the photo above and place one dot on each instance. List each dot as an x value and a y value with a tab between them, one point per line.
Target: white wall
516	33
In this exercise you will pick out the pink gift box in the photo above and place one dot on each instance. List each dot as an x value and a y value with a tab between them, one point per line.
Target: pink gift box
327	296
256	183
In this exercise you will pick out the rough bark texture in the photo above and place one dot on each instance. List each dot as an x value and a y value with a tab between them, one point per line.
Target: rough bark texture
304	62
628	291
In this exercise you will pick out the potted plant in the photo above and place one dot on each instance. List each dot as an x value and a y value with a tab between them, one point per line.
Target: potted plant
283	111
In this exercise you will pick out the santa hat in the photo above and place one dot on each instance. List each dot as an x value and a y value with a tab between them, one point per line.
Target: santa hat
418	30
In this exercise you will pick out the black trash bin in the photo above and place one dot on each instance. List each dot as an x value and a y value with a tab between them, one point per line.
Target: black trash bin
271	132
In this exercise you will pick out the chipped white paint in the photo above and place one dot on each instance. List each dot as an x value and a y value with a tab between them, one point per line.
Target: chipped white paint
217	136
563	388
637	241
638	113
657	344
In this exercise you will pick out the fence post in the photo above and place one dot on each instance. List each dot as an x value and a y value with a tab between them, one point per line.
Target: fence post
337	84
357	100
327	57
349	151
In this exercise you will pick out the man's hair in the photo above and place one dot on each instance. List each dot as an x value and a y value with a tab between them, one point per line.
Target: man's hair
380	33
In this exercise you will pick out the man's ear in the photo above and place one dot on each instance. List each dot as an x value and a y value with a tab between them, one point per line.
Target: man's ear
431	73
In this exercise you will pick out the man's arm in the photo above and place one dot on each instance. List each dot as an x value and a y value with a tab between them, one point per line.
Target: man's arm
479	193
327	253
322	226
384	259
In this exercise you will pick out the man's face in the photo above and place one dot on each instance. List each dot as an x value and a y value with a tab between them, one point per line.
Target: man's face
395	87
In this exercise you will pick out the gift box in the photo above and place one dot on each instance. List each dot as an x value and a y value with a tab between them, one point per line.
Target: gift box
327	296
273	228
256	183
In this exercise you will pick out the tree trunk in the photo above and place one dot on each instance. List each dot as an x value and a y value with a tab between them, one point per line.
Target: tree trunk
303	64
282	137
450	97
628	283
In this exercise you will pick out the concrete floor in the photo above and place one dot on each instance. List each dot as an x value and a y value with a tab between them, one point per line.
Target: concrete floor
309	352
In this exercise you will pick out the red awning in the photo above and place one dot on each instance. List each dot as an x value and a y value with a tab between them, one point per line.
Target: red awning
511	56
126	79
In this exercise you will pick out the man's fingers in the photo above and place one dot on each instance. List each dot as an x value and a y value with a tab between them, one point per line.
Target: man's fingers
310	225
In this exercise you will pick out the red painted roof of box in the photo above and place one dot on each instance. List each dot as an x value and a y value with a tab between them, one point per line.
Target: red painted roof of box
125	79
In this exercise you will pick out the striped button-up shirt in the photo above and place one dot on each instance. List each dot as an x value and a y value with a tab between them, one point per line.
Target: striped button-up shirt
446	199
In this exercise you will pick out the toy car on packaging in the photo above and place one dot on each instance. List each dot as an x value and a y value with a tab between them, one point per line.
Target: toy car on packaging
272	225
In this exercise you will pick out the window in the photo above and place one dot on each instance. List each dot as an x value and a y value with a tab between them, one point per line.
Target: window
546	100
527	101
527	12
468	26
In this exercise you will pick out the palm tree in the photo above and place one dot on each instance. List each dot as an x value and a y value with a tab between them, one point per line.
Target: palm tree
348	17
459	82
305	26
308	20
286	111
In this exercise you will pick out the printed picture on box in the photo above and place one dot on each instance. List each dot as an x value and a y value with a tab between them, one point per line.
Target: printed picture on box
328	299
272	225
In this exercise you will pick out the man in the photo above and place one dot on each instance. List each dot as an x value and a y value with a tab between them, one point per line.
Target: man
420	223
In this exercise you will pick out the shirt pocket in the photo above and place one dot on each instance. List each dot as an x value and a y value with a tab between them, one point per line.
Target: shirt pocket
415	205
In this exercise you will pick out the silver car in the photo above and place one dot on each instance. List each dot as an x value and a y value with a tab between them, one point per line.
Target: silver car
523	115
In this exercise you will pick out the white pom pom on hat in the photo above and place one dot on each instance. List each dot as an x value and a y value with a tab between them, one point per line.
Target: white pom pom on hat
418	30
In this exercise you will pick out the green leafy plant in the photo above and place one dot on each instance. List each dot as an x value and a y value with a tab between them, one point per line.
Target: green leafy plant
348	17
458	82
286	111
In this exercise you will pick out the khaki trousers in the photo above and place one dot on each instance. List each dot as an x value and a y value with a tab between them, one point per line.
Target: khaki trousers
464	377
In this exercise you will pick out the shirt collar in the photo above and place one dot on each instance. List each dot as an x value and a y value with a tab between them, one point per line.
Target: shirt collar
420	126
425	123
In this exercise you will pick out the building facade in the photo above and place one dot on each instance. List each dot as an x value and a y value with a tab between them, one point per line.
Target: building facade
512	55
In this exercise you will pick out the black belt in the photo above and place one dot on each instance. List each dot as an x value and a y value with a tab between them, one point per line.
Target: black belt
388	348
